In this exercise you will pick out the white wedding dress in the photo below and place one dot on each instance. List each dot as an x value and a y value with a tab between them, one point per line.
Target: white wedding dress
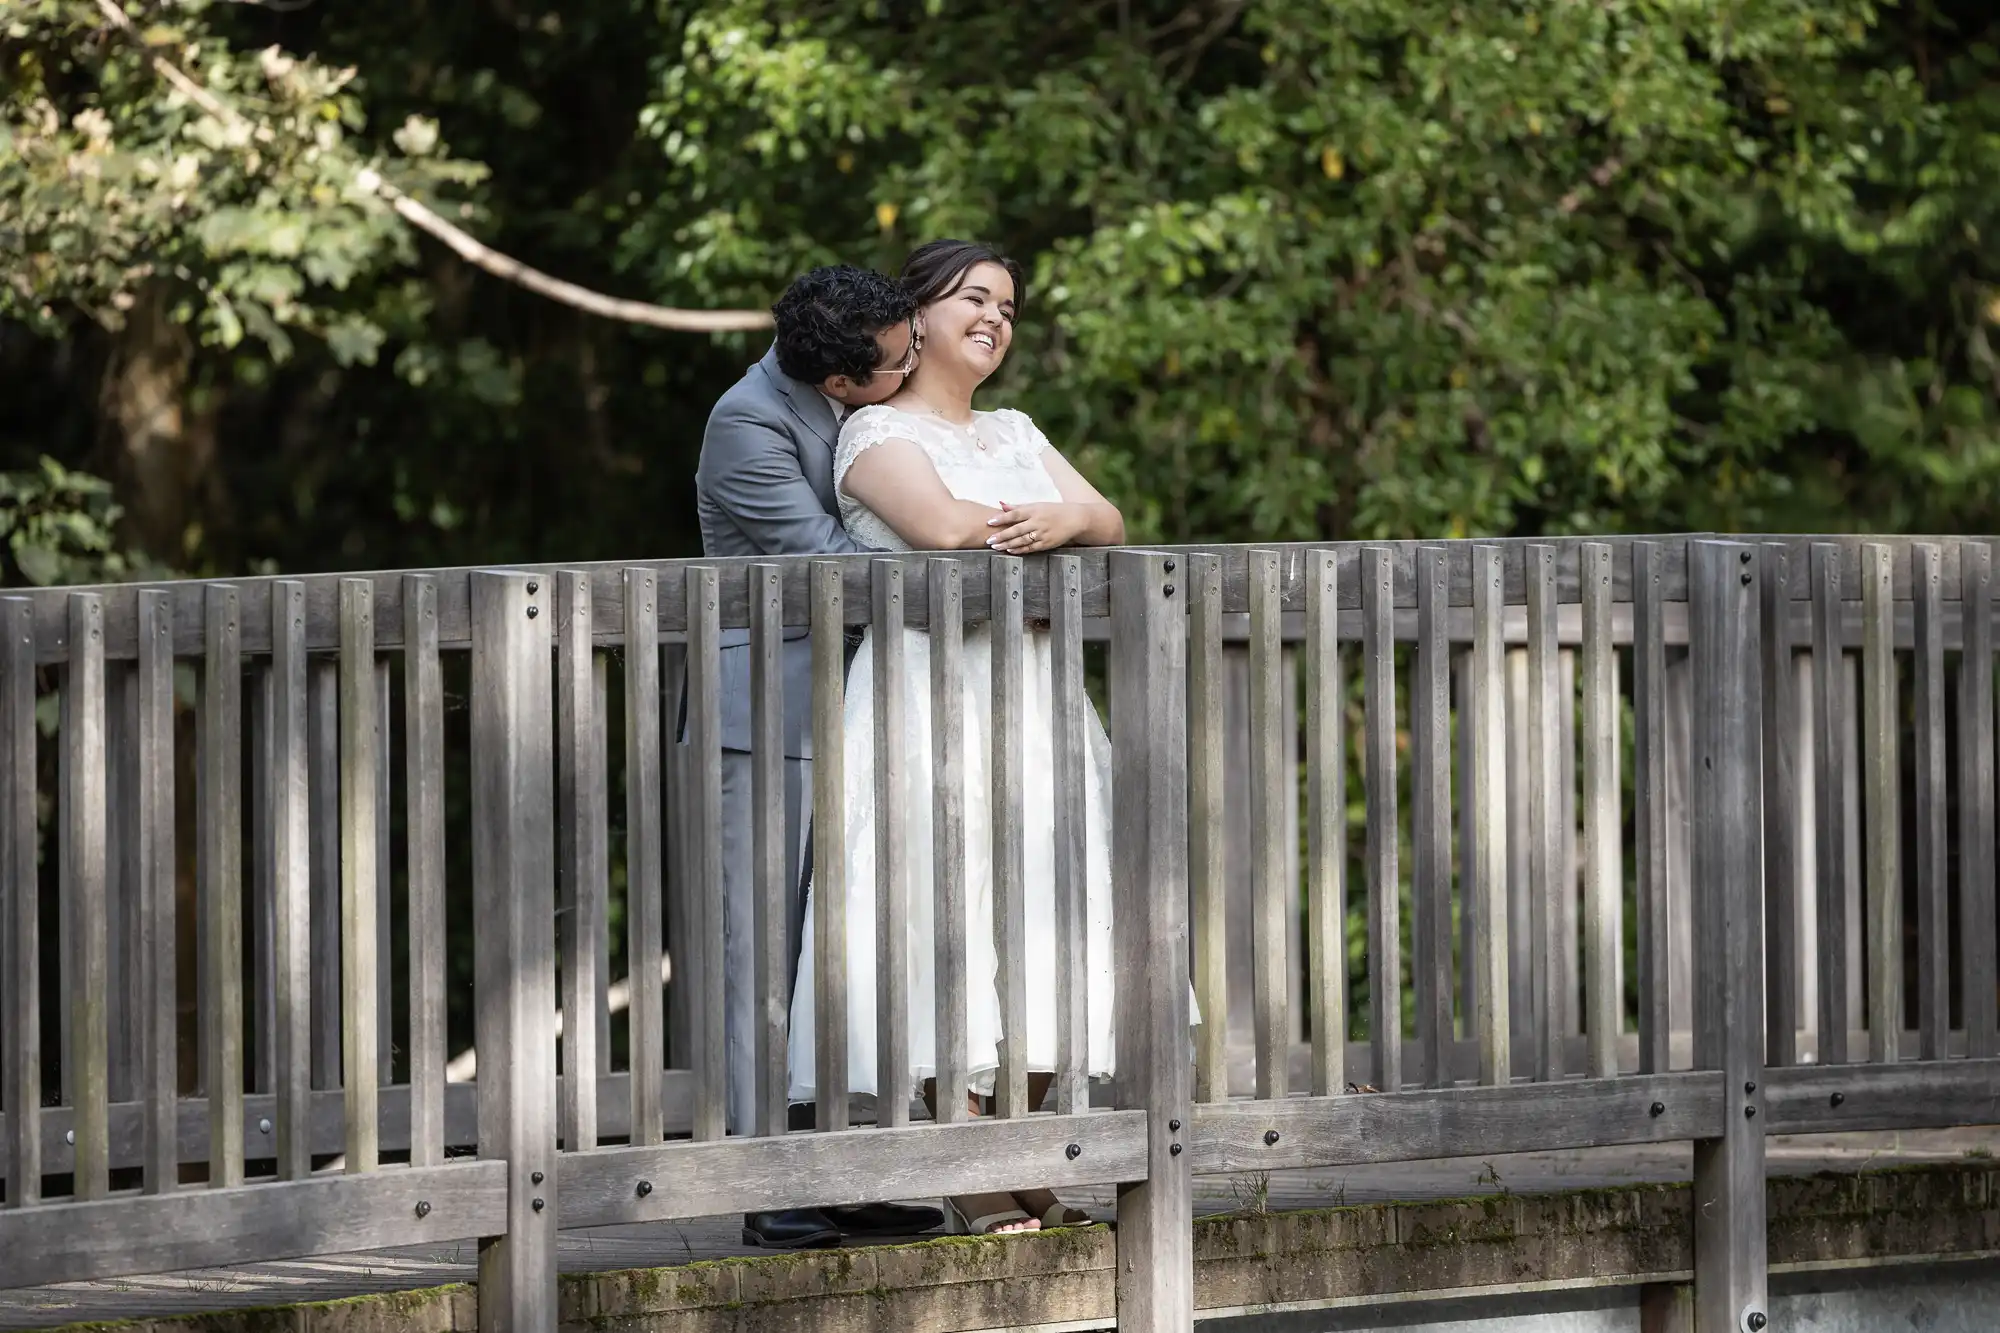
998	459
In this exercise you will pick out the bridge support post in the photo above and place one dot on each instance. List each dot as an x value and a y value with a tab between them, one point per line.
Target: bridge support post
1726	781
1149	872
513	890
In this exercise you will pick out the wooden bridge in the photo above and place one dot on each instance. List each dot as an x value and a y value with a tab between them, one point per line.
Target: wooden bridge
241	1054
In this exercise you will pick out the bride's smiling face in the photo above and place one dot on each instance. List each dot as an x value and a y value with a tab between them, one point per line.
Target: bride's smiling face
972	326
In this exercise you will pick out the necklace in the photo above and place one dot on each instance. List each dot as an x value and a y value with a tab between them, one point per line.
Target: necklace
970	430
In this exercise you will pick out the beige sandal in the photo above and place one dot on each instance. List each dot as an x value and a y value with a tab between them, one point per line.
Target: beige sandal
986	1215
1050	1211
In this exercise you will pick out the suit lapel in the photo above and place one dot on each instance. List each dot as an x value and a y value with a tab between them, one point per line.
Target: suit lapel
808	404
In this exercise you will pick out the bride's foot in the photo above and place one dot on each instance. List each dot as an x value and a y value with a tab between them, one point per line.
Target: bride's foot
986	1215
1049	1211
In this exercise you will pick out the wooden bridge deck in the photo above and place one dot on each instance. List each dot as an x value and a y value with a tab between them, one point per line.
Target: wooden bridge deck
333	1277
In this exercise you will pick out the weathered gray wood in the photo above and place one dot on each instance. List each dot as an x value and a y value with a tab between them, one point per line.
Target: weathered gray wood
581	799
385	934
260	697
1385	975
1068	739
1207	861
1831	729
644	1019
1545	846
1978	979
829	844
358	871
86	1055
947	796
704	807
123	1003
323	833
1932	804
1010	902
1603	830
1487	722
1782	959
514	982
1855	1098
1149	912
1455	1122
1520	892
748	1174
1273	898
423	745
291	855
1730	1269
1566	956
767	845
251	1224
1882	795
600	690
153	834
892	879
1466	759
1430	813
20	894
221	858
1326	829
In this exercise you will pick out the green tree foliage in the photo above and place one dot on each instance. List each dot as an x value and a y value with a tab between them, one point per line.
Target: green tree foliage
1299	269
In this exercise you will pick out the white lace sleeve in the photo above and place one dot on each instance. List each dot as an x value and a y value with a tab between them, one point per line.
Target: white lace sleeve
1023	435
863	430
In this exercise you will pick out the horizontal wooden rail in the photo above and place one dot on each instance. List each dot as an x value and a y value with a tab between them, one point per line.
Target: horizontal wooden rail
1360	1128
652	1184
1825	1099
199	1228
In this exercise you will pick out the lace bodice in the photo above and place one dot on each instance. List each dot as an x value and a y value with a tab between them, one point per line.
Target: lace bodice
998	459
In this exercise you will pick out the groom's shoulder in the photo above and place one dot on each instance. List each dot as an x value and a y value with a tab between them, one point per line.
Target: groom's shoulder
757	396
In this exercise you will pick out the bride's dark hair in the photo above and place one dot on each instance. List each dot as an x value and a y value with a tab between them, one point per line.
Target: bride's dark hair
936	269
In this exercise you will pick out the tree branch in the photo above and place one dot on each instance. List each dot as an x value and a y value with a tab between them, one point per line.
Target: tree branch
504	267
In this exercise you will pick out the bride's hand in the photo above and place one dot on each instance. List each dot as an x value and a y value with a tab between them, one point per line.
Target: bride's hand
1028	529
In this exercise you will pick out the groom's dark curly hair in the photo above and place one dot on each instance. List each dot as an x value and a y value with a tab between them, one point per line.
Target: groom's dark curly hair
827	321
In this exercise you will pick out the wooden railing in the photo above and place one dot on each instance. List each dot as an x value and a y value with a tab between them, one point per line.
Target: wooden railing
307	1108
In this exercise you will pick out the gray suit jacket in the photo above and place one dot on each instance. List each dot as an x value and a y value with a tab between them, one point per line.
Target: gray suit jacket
765	487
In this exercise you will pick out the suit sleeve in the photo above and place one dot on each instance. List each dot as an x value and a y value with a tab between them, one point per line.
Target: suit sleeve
755	478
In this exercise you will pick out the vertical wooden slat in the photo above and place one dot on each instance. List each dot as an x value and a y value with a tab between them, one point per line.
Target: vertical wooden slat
1831	730
83	880
829	843
121	874
423	744
1932	804
1780	811
1067	730
1385	964
323	831
153	832
1207	840
1726	775
1568	965
358	869
1880	786
514	984
600	749
1649	804
1155	1238
1464	760
947	649
1520	892
1430	816
385	935
892	882
221	834
704	806
1272	897
1488	797
1603	831
1010	902
647	1036
767	840
1544	809
293	936
1326	827
1978	980
20	895
260	699
581	801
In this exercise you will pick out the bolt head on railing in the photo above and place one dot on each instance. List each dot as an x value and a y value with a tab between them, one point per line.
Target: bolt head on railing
1658	1109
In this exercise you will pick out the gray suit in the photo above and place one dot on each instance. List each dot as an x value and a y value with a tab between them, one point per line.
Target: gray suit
764	487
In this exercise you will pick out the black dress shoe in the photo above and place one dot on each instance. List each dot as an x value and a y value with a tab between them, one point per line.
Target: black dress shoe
790	1229
884	1219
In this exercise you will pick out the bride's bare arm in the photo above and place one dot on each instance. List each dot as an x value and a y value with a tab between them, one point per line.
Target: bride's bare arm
896	481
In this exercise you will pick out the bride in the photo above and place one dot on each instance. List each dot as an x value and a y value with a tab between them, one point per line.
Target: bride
924	471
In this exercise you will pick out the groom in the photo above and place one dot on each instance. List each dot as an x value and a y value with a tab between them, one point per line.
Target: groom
765	487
